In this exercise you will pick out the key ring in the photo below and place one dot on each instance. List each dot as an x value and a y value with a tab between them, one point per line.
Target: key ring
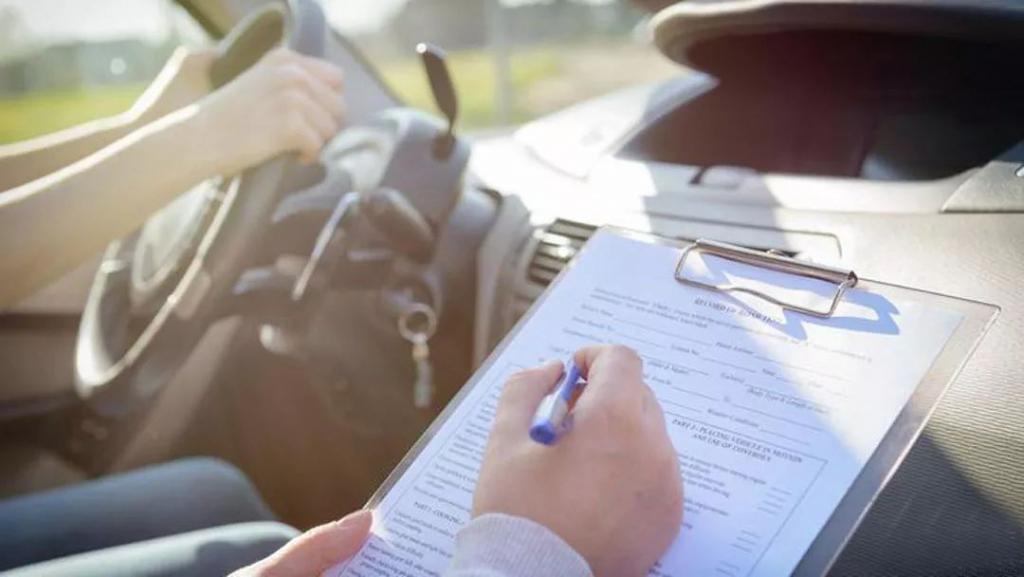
405	322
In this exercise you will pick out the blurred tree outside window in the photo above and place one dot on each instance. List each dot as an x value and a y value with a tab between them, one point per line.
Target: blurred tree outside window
512	60
63	62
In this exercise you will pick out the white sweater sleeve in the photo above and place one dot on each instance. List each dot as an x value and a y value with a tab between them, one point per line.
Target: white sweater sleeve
496	545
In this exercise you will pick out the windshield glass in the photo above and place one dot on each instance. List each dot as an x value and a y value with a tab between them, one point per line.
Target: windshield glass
63	62
512	60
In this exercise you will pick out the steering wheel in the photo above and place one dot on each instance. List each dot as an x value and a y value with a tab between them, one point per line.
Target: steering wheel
156	291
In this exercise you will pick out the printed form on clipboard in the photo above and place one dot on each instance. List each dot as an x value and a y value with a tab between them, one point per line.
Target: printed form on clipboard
791	393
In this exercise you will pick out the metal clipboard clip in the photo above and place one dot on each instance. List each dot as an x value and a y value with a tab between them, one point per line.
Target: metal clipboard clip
842	278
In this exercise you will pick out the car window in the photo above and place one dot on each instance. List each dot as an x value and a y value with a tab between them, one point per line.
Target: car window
512	60
63	62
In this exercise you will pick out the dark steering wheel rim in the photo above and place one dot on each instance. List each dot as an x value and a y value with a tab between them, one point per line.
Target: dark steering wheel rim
116	381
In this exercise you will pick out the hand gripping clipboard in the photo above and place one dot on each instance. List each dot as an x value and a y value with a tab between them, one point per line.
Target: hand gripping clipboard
976	318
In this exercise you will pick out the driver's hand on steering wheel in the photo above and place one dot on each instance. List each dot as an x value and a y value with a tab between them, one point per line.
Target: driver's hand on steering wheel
286	102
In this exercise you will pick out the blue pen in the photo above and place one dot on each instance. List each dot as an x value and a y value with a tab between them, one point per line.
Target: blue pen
552	419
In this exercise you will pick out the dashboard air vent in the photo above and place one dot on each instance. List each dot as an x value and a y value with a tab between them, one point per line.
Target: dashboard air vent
556	245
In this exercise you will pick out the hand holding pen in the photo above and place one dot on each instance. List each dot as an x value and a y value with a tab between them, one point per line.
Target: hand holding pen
610	477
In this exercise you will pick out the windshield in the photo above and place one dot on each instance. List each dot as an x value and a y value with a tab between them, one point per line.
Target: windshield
63	62
512	60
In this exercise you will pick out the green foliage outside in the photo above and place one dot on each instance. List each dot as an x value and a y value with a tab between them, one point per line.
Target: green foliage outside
542	79
473	72
40	113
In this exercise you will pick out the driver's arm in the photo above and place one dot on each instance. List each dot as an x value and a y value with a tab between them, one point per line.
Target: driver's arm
287	102
183	80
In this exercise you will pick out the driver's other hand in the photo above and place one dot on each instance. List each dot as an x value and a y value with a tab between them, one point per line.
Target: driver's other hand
611	487
184	79
286	102
316	550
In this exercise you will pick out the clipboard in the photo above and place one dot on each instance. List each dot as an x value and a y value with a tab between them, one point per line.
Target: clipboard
976	316
882	465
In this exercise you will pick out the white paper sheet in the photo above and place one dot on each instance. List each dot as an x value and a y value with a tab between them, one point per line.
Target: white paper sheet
772	413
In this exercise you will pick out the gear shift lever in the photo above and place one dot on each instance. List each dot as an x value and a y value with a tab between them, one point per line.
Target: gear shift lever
444	95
